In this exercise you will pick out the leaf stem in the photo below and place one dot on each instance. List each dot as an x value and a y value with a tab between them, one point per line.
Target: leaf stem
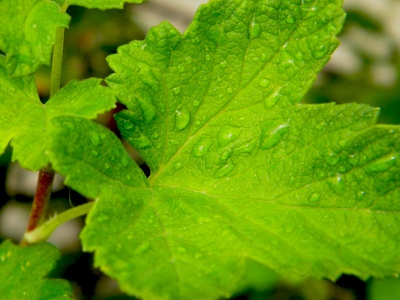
46	175
42	233
41	199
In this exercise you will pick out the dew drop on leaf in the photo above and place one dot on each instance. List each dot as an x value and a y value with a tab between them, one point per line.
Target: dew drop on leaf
382	164
95	139
196	103
208	57
337	184
246	147
255	29
289	19
223	64
264	82
225	169
176	90
228	134
270	102
225	155
182	118
263	57
128	125
201	147
270	137
155	136
189	60
178	165
141	143
331	157
320	125
318	46
220	96
314	197
229	91
360	195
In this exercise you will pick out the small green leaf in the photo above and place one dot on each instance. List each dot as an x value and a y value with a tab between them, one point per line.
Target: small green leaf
102	4
22	270
28	32
239	169
25	120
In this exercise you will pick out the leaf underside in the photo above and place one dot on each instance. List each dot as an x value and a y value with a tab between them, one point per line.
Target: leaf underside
22	270
239	169
25	121
28	33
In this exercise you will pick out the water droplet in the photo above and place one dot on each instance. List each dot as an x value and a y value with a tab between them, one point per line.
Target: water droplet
201	147
155	136
176	90
318	45
220	96
360	195
181	68
196	103
225	169
141	143
263	57
264	82
95	153
178	165
106	166
270	102
331	158
320	125
255	29
228	134
289	19
337	184
246	147
208	57
271	134
128	125
229	91
95	139
189	60
143	247
223	64
125	161
314	197
182	118
225	155
292	179
382	164
197	256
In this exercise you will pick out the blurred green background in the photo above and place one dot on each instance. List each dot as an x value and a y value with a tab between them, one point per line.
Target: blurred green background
365	69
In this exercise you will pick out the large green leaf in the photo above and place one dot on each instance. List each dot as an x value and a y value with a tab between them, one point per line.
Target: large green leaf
22	270
25	120
28	33
239	169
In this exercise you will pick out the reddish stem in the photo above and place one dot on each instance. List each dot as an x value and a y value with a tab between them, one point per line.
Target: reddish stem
41	200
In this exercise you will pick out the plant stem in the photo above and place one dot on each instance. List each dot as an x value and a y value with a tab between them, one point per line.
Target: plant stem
46	175
41	199
43	232
56	63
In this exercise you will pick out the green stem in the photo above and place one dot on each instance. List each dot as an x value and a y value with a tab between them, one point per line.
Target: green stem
46	175
42	233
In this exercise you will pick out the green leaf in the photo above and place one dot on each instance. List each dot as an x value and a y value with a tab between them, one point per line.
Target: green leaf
25	120
22	270
239	169
102	4
28	33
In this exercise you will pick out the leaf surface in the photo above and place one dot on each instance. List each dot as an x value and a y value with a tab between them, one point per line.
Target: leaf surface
102	4
22	270
25	120
28	33
239	169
